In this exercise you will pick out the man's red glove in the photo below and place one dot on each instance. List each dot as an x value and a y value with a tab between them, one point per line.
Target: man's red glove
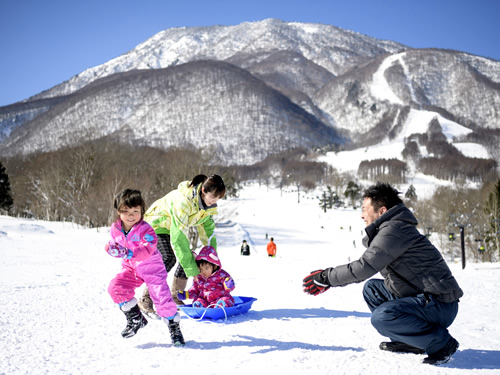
316	283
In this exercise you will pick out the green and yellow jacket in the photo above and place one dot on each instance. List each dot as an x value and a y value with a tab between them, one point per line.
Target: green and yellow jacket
175	213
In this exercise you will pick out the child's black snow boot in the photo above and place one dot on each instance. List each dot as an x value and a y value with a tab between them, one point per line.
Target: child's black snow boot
135	321
175	330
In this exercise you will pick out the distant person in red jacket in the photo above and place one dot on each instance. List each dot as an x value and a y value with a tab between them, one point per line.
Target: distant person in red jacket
271	248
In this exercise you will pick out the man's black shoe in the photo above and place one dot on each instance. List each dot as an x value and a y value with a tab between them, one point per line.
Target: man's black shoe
443	355
399	347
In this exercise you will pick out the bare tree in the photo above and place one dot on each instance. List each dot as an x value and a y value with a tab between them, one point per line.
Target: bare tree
492	218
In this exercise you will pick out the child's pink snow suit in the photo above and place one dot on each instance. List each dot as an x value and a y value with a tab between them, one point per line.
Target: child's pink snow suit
211	290
145	266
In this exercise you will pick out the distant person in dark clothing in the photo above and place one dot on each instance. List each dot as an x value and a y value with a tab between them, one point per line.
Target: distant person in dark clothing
245	249
417	300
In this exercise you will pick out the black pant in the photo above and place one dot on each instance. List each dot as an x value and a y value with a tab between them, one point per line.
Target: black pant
168	255
412	320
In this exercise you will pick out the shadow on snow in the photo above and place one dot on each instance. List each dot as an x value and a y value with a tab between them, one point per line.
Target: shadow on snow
462	359
304	314
475	359
264	345
267	345
285	314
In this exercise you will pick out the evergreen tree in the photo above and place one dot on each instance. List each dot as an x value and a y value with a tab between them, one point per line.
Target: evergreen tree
6	200
330	195
323	201
353	192
411	193
411	197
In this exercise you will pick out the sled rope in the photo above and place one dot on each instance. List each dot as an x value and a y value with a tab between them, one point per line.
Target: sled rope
206	309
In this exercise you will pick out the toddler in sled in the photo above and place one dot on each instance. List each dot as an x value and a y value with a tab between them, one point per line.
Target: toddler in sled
212	286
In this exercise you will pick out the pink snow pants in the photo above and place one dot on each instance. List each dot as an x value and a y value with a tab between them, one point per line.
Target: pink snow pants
152	272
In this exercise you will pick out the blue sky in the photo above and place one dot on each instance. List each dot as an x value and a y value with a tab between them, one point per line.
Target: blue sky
45	42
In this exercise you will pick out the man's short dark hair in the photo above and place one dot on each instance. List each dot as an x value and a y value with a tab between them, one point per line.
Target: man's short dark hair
382	194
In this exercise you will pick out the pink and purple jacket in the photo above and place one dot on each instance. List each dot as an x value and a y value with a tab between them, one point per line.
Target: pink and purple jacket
145	266
211	289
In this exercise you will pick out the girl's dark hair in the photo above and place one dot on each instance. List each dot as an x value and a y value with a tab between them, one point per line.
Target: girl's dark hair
203	261
130	198
213	184
382	195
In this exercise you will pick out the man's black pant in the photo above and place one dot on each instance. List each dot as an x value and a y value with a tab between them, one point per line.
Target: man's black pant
412	320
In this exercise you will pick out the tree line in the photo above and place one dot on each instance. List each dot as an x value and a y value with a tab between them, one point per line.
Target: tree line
477	210
78	184
444	160
450	207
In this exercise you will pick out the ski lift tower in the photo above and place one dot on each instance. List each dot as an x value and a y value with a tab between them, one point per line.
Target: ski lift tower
461	221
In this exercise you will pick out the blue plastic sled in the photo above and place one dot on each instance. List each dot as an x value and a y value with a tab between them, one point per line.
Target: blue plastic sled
242	305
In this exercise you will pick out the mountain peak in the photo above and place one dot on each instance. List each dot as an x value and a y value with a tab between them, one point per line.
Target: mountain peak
246	91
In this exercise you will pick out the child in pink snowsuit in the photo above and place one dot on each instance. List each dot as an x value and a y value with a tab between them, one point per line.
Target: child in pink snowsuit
212	286
134	240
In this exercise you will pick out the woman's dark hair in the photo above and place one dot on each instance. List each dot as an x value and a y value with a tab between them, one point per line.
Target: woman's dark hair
382	195
213	184
130	198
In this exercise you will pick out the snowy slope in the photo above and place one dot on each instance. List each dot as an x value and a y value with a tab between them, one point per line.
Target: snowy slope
416	123
57	317
383	91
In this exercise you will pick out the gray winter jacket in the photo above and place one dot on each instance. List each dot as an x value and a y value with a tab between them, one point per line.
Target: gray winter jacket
407	260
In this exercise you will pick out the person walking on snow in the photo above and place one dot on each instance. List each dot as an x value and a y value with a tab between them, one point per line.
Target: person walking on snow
271	248
212	287
191	205
418	298
245	249
134	241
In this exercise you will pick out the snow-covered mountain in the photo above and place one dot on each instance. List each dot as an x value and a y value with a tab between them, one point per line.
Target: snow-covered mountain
466	87
190	104
248	44
250	90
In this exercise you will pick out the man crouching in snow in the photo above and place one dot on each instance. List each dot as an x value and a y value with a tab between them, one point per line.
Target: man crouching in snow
418	298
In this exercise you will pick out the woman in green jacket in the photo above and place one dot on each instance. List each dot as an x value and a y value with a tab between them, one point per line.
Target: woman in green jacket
191	205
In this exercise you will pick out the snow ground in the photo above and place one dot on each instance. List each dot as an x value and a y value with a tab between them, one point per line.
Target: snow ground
58	318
